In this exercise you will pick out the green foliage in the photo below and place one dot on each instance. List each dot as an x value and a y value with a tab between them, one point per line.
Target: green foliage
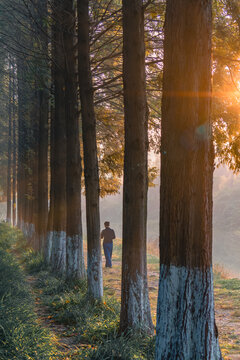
117	253
230	284
152	259
226	90
121	347
33	261
21	338
106	50
69	304
8	237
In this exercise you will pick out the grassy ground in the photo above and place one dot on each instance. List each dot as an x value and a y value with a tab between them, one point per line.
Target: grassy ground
227	308
72	326
85	329
21	337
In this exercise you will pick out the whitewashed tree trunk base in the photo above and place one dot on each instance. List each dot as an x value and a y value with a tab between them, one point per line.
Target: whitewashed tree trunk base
185	320
28	230
138	306
75	257
58	255
48	247
24	229
31	231
41	242
94	272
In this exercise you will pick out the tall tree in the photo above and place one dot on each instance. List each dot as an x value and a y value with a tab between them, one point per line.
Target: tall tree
185	322
9	171
74	247
135	308
24	95
20	172
14	141
49	235
58	255
94	272
41	29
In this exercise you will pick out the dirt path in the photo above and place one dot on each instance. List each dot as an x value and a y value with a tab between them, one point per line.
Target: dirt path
64	343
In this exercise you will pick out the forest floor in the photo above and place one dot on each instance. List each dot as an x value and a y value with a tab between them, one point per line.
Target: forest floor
78	329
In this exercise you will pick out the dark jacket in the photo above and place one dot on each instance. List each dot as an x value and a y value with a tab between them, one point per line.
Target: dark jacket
108	235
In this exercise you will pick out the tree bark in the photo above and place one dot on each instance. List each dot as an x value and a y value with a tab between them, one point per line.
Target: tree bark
43	168
135	308
185	319
9	170
24	91
20	150
94	272
14	165
34	168
43	96
75	268
49	236
58	255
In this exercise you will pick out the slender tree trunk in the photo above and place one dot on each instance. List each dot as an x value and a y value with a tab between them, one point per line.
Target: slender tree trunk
185	321
95	285
20	166
135	308
43	98
49	237
34	167
14	165
29	112
9	171
75	258
43	168
58	255
24	92
26	163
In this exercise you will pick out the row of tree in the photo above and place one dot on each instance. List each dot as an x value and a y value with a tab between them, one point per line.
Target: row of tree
54	85
62	60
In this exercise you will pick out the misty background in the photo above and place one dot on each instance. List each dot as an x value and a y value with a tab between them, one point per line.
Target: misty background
226	216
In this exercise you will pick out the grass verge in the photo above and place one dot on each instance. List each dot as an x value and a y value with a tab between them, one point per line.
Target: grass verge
21	337
92	325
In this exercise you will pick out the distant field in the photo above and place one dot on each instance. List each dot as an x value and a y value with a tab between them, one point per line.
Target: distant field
226	251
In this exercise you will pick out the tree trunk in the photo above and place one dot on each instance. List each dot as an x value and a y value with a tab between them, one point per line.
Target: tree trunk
14	165
27	163
43	96
24	103
9	170
20	166
43	168
58	256
135	308
49	236
95	285
75	260
185	320
34	168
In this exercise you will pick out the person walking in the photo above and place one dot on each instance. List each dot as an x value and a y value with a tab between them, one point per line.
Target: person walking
108	235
